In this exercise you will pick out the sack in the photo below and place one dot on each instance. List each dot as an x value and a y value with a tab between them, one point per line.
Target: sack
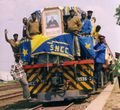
17	71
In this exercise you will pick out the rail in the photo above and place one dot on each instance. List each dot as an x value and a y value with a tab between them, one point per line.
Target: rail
8	87
11	95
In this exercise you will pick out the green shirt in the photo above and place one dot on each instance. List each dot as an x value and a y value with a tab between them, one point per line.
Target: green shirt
116	68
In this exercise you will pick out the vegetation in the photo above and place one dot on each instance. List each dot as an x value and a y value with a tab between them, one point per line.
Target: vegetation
117	14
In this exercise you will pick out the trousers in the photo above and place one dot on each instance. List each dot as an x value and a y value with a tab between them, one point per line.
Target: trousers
24	83
76	46
98	68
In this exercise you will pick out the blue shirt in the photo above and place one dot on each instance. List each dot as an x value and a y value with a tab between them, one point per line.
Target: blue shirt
86	27
100	55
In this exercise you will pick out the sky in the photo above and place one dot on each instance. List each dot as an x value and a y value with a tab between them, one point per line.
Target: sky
12	12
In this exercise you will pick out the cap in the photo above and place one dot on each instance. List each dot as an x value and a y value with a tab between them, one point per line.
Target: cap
101	37
89	11
33	13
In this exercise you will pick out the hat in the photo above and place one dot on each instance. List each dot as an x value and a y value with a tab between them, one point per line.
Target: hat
101	37
89	11
15	34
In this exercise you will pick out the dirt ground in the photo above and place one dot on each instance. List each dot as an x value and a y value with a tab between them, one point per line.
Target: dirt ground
113	102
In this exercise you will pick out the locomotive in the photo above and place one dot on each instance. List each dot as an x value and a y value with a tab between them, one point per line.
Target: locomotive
56	75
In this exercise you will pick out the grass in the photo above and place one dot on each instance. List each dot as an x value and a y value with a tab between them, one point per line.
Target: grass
8	83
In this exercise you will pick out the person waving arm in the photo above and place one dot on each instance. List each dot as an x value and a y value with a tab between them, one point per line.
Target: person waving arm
6	37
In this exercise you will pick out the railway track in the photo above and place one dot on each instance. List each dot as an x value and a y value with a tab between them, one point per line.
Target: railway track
11	95
68	106
64	105
38	107
10	98
7	87
79	104
41	107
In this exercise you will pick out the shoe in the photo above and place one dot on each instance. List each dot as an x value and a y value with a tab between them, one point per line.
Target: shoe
96	88
33	100
29	98
112	82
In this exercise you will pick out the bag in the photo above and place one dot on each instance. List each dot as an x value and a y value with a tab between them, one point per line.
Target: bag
17	71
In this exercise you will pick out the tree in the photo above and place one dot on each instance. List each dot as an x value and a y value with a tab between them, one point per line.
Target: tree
117	14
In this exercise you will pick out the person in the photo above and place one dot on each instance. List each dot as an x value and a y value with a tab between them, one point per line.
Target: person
14	44
25	33
74	26
34	27
99	48
15	47
93	23
86	24
18	73
110	67
83	17
116	70
52	23
95	33
73	22
89	14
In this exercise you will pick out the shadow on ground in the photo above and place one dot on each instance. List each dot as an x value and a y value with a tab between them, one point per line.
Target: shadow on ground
25	105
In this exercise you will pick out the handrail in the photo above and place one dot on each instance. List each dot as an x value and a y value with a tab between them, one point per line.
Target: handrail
67	63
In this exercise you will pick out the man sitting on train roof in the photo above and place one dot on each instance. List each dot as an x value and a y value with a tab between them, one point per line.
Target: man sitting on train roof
74	26
34	27
86	23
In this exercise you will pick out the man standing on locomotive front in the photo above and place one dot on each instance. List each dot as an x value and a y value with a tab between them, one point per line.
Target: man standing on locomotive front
86	23
34	27
74	25
100	48
17	71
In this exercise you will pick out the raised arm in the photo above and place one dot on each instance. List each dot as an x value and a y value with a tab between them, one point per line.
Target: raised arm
6	38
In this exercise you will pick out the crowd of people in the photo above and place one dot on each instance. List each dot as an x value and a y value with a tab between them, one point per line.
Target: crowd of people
81	26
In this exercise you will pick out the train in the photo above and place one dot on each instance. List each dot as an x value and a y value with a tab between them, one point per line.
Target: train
56	75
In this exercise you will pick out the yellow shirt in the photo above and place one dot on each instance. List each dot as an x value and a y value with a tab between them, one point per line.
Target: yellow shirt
74	24
95	35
